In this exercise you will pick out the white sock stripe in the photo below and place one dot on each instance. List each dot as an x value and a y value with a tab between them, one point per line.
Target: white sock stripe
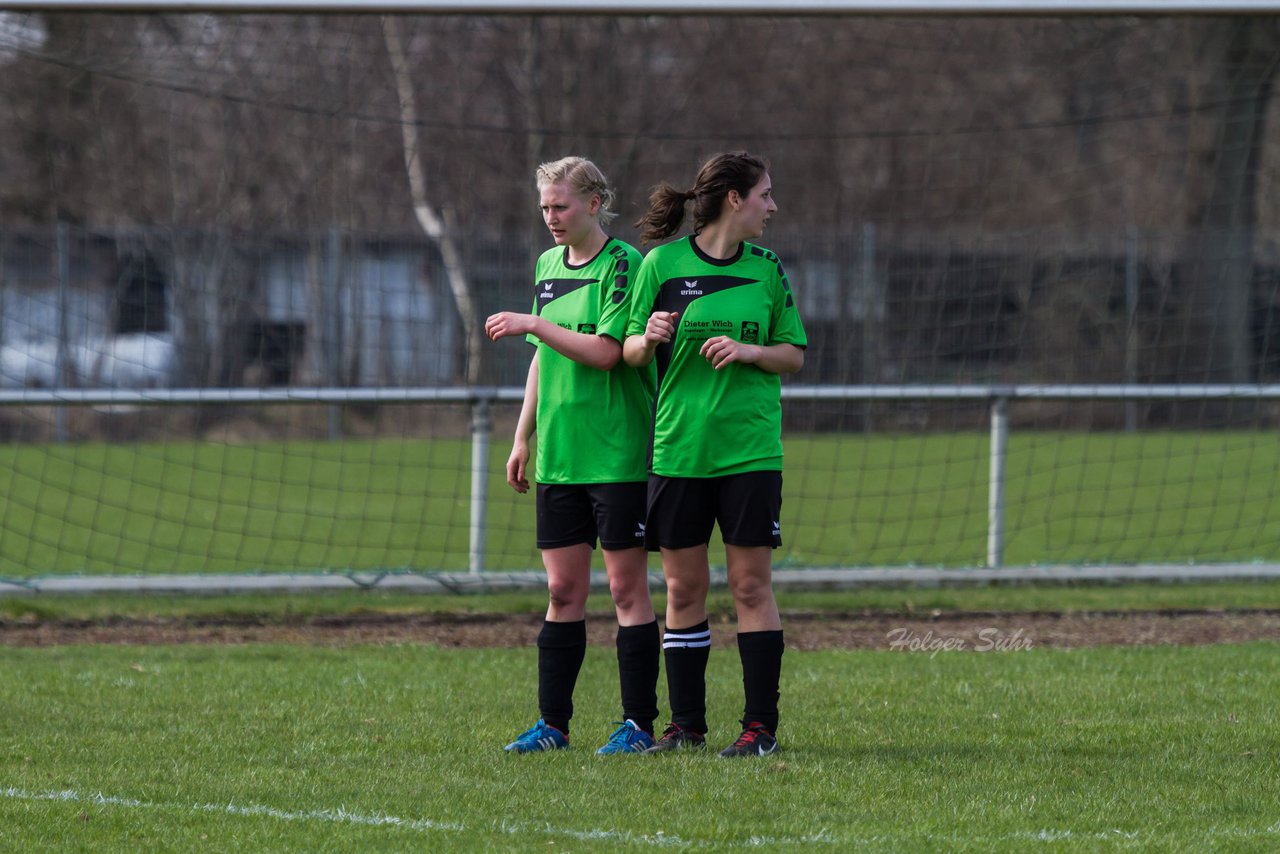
686	638
685	634
678	644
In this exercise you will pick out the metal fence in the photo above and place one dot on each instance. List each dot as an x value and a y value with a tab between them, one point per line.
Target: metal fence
998	399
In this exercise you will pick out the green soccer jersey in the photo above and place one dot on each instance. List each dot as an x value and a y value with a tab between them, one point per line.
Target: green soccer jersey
592	425
711	423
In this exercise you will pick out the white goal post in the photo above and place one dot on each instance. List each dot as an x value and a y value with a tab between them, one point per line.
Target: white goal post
673	7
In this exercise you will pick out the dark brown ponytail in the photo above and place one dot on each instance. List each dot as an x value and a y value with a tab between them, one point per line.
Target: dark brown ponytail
735	170
665	214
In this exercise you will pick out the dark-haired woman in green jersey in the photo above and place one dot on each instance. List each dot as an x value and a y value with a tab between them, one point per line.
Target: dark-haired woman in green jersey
717	316
591	413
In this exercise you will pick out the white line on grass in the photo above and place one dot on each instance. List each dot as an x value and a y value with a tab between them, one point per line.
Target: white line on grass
343	816
658	838
338	815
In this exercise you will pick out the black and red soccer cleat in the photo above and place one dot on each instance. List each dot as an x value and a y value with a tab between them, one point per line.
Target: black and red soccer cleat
754	741
676	737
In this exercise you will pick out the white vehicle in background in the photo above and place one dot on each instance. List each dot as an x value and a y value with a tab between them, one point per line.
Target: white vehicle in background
138	360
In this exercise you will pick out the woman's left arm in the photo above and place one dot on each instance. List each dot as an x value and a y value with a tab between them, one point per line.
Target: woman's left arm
775	358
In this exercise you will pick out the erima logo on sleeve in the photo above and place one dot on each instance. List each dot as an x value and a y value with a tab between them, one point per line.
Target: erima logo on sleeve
676	293
556	288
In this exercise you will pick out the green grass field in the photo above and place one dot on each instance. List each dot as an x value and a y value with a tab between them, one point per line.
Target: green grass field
397	748
850	500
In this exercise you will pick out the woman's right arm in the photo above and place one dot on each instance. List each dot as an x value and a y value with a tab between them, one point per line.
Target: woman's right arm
638	350
594	351
518	462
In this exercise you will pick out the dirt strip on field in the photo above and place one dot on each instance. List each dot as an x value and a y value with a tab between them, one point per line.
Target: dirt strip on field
937	632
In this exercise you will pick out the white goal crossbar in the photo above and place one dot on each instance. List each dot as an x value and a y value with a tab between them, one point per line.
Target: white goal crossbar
670	7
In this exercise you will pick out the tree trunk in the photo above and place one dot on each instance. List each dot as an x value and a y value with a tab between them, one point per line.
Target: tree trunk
435	224
1220	268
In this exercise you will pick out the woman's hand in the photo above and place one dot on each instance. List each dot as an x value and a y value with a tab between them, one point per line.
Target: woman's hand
722	350
506	323
661	327
516	465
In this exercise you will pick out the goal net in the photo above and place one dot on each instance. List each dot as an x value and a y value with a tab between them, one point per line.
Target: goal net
200	201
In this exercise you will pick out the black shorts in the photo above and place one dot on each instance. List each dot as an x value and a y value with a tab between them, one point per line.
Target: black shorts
683	510
569	514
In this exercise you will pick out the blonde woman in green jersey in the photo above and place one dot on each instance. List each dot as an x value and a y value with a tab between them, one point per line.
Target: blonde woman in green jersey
716	315
591	413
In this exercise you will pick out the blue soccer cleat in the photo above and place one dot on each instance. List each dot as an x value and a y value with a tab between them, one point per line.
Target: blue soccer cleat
627	738
537	738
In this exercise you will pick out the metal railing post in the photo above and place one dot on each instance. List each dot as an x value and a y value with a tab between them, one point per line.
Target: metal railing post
995	501
62	359
481	428
872	315
334	345
1131	325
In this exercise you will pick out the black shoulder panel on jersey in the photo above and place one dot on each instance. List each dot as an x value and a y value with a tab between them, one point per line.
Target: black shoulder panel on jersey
676	294
549	289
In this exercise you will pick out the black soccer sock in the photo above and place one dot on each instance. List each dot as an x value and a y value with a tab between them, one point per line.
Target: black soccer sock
761	654
638	673
561	649
686	652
